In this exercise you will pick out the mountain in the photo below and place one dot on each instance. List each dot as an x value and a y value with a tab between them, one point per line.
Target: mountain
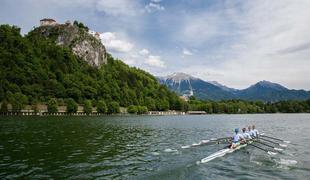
187	85
266	91
65	62
272	92
225	88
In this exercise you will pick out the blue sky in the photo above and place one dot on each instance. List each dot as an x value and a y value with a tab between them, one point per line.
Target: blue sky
236	43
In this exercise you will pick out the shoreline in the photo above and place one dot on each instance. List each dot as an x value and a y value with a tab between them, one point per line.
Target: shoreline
11	114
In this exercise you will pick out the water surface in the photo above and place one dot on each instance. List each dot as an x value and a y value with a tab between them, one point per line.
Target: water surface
148	147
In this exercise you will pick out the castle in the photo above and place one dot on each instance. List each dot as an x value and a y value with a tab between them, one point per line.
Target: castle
47	22
52	22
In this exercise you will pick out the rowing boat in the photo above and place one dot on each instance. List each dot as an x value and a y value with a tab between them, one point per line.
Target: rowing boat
223	152
227	150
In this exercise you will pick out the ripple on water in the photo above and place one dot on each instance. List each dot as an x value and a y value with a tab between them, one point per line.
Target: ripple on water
286	162
168	150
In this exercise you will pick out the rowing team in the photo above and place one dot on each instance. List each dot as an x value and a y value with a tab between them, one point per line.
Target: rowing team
241	138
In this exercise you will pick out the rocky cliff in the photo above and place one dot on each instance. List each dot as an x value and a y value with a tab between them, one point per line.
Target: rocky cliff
82	44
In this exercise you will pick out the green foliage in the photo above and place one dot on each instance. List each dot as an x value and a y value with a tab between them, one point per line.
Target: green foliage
248	107
113	107
18	100
2	95
137	109
39	69
71	106
132	109
88	107
102	107
80	25
4	107
142	109
52	106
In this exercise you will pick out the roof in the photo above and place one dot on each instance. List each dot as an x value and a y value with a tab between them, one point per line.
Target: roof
46	19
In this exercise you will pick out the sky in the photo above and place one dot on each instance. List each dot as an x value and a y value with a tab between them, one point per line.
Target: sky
236	43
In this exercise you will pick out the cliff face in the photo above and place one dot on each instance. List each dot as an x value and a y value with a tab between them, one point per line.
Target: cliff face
82	44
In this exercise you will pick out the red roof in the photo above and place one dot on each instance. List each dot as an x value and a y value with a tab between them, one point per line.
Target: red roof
46	19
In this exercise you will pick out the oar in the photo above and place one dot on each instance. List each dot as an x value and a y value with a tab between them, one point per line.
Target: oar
277	139
282	145
269	152
277	149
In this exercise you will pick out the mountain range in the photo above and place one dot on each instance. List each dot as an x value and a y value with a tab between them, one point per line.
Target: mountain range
266	91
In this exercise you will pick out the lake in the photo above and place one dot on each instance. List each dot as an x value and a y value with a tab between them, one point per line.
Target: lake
148	147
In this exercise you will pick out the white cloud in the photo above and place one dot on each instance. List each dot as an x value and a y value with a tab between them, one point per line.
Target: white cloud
152	7
255	40
187	52
198	28
113	43
144	52
118	7
155	61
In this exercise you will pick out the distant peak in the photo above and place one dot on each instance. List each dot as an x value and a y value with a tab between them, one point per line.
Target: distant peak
271	85
264	82
179	76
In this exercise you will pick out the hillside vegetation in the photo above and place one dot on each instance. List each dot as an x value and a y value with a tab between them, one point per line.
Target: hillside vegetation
34	69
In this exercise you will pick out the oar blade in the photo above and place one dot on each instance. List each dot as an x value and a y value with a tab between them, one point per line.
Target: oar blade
272	153
278	149
283	145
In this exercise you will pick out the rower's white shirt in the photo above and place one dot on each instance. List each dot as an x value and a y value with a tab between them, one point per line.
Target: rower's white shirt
241	136
246	135
253	133
237	137
256	132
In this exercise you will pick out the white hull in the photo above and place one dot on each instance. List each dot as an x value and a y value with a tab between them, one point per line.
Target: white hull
221	153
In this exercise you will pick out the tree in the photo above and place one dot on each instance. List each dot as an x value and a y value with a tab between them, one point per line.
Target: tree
162	105
88	107
4	107
142	109
52	106
150	103
71	106
18	101
101	107
1	93
113	107
80	25
132	109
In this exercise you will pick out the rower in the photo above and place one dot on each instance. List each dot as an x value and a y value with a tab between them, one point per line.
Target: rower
250	132
245	134
255	131
237	138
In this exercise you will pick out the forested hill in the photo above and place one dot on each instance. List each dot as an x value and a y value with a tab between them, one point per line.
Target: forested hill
34	69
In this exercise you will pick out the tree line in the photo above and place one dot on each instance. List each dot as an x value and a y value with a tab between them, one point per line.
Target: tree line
244	107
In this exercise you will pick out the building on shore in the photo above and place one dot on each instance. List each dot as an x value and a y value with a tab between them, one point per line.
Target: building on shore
166	113
196	112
